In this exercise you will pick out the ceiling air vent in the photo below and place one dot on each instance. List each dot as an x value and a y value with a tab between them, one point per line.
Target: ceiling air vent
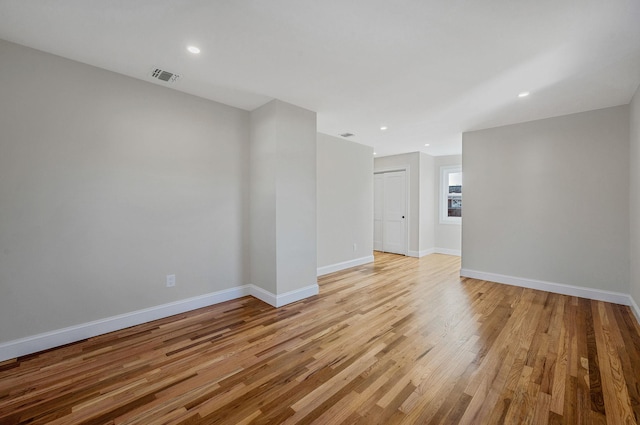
347	135
166	76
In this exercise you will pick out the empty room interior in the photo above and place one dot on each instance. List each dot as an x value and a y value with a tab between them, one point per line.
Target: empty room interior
292	212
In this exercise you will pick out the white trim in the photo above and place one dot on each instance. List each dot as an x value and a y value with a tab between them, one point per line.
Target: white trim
263	295
558	288
448	251
52	339
635	308
44	341
344	265
297	295
422	253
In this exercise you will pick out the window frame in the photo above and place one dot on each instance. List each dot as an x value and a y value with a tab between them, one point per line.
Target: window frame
444	193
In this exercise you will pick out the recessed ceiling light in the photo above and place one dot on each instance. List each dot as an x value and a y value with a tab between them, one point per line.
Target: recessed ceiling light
375	153
524	94
426	144
383	128
193	49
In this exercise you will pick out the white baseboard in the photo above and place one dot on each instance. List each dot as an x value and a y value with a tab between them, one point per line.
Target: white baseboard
448	251
263	295
47	340
429	251
295	295
422	253
344	265
558	288
44	341
635	308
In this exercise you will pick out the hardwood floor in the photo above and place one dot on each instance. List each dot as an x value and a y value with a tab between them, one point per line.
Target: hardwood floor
403	340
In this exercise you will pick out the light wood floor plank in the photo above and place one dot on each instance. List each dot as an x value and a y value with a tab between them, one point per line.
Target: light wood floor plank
399	341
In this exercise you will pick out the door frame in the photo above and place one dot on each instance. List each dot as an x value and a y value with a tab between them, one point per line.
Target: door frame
407	180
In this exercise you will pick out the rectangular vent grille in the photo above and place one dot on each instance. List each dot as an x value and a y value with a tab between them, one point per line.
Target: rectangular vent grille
166	76
347	134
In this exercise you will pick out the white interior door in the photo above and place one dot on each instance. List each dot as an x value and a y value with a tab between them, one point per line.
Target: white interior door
394	213
389	216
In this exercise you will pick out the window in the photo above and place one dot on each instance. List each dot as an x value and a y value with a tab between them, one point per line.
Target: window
451	194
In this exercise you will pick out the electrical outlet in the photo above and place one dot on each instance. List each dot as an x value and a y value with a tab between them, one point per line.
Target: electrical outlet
355	247
171	280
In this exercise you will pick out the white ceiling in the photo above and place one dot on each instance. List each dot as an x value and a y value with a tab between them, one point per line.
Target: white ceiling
427	69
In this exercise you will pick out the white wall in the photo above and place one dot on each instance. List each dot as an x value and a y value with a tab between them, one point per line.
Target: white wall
427	193
635	198
345	203
283	198
548	200
296	198
448	236
263	160
108	184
